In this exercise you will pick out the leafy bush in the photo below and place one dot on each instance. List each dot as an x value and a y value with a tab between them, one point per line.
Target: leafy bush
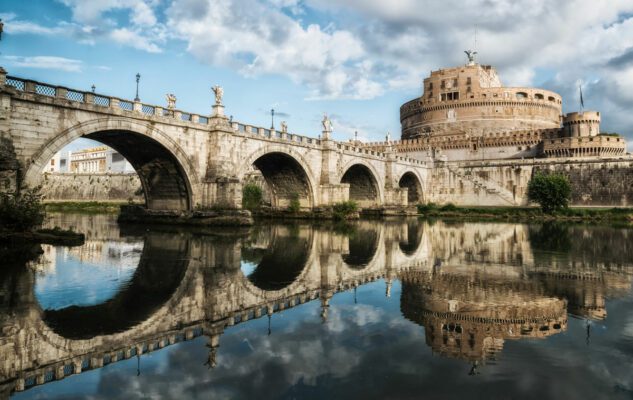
448	207
552	192
21	212
295	204
426	208
252	196
344	209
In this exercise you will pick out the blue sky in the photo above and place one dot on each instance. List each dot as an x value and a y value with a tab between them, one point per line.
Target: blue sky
356	60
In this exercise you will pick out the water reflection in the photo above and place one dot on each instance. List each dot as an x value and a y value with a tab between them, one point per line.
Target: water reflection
467	288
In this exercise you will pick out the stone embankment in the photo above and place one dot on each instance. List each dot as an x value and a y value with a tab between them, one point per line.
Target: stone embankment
91	187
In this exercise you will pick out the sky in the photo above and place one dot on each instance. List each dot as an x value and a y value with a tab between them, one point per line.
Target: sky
357	60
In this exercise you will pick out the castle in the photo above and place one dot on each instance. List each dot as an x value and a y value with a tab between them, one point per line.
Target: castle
465	113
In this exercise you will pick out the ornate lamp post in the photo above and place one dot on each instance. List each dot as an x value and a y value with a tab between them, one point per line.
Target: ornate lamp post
93	88
138	78
272	118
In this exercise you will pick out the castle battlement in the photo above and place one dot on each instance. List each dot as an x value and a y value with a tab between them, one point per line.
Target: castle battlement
465	113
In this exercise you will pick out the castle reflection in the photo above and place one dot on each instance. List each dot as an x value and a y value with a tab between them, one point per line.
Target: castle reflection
471	286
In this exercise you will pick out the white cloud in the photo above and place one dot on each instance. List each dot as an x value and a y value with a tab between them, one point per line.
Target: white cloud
134	39
257	39
46	62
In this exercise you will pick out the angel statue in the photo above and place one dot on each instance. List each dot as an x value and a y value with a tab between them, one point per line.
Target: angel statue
471	56
284	127
327	124
219	92
171	101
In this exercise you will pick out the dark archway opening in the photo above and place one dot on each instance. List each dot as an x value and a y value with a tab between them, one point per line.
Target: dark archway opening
286	180
412	183
163	179
160	271
362	247
363	187
279	262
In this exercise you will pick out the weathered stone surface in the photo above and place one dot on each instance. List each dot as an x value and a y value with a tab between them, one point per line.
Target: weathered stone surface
91	187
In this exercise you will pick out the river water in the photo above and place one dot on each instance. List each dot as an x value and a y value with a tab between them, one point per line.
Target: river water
374	309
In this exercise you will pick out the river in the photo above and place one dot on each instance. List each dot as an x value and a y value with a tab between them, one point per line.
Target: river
396	309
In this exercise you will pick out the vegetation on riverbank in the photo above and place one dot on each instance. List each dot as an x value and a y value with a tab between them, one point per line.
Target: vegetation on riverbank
85	207
21	214
552	192
526	213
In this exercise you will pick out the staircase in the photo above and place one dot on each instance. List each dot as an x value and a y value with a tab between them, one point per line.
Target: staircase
491	187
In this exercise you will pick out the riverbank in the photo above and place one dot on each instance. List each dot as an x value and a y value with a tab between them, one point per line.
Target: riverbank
527	214
55	236
109	207
244	218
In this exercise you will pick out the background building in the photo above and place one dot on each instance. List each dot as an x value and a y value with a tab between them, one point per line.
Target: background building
97	160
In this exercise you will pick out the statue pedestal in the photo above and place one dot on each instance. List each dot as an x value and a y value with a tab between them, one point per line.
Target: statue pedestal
326	135
218	110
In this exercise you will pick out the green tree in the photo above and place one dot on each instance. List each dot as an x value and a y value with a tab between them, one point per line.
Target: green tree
295	204
251	196
551	191
21	212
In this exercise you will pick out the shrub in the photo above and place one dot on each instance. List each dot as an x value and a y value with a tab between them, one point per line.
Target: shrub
344	209
552	192
448	207
295	204
251	196
426	208
21	212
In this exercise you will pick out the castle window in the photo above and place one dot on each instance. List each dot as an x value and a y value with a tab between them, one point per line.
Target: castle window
443	84
521	95
468	81
551	98
430	85
468	89
455	82
443	97
539	96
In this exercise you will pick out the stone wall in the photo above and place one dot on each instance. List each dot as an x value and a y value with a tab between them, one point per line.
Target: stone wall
607	182
8	167
91	187
599	184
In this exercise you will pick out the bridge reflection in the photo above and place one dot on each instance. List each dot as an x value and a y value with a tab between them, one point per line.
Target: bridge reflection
470	286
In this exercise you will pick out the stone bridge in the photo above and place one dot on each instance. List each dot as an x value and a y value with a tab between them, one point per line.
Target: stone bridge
186	160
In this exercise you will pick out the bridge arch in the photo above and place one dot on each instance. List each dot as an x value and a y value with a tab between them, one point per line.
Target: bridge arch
362	247
287	174
282	266
158	277
166	172
410	243
365	184
411	181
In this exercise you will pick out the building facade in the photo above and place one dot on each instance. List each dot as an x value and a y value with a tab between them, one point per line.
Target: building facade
466	114
95	160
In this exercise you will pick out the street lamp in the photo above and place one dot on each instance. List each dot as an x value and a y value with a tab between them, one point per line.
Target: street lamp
138	78
272	118
93	88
